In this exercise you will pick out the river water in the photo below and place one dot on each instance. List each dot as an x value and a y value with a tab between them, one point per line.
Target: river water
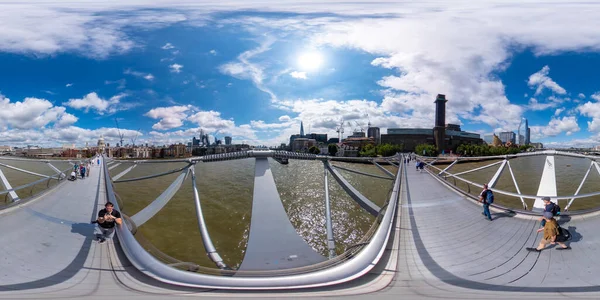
226	195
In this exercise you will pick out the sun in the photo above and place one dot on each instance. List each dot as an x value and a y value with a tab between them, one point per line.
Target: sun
310	61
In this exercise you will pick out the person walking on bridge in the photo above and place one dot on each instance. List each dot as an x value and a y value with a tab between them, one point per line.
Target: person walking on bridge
107	218
552	235
486	197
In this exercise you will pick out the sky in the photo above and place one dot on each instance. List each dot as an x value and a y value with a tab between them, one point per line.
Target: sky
254	70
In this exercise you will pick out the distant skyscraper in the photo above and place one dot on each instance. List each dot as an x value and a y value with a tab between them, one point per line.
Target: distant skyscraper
301	129
527	133
227	140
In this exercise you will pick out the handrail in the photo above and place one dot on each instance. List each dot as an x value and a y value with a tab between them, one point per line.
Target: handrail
152	176
31	183
359	265
518	194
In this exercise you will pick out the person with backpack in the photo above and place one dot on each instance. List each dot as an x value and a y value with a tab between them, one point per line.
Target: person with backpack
553	234
486	197
549	206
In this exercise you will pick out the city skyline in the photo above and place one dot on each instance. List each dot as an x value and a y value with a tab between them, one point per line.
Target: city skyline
255	72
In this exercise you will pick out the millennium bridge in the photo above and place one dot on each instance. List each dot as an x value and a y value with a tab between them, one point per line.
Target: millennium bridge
428	240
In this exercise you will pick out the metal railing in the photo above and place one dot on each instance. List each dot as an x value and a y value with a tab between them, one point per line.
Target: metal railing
451	179
10	196
351	264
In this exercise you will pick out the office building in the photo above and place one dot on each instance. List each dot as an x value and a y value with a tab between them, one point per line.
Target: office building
375	134
228	140
508	136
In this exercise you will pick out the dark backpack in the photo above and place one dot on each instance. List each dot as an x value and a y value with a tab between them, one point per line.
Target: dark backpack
489	197
556	210
563	235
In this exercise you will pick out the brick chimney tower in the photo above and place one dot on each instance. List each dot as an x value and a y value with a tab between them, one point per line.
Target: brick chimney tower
439	130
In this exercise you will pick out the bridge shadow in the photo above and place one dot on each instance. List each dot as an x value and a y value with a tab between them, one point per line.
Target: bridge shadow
504	214
85	229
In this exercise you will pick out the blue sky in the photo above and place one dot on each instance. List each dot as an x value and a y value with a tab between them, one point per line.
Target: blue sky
254	71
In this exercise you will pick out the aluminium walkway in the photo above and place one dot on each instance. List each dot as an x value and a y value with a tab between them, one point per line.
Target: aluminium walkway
443	249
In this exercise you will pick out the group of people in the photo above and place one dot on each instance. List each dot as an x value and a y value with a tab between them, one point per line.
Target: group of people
553	233
82	170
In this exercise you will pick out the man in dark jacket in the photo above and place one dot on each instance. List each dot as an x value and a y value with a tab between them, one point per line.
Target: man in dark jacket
483	199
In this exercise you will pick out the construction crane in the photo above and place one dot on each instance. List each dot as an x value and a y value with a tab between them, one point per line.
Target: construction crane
120	134
217	141
340	131
135	137
359	126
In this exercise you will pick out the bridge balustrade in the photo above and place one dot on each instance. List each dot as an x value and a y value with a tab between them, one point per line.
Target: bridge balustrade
17	174
310	271
547	186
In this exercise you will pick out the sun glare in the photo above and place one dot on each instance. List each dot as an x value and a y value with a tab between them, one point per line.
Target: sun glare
310	61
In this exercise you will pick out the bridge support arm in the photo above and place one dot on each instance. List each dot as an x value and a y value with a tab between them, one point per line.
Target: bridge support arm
512	175
118	176
494	179
114	166
149	211
547	184
13	195
330	240
593	163
448	167
365	203
58	172
383	169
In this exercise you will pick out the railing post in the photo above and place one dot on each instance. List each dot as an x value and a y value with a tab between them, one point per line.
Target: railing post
330	240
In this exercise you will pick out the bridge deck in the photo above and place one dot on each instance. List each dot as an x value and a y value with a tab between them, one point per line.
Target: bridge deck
445	250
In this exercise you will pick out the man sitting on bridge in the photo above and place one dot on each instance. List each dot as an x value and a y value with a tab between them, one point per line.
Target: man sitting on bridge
106	222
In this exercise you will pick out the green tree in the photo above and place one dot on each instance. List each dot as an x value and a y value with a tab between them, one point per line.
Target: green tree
314	150
368	150
332	149
428	149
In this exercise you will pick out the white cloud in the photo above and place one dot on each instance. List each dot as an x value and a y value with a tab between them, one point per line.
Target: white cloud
121	83
284	118
167	46
213	52
556	126
69	85
211	120
176	68
245	69
146	76
559	111
170	117
93	101
581	95
596	96
540	81
592	110
32	113
298	75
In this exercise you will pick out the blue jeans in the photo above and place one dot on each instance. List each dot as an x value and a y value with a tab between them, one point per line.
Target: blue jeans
486	211
105	233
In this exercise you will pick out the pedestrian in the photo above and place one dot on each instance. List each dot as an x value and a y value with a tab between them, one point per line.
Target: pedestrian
107	218
417	165
82	171
552	235
486	197
549	206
